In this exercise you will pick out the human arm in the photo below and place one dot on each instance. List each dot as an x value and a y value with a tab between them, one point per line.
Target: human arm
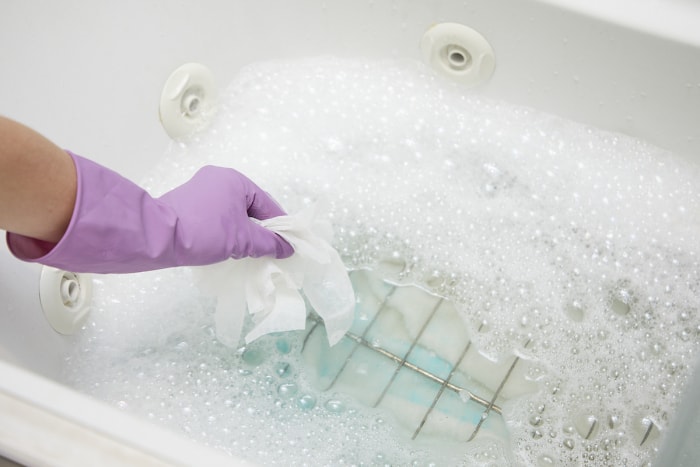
37	183
114	226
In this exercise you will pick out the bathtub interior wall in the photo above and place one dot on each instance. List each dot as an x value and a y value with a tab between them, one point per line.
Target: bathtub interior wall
89	76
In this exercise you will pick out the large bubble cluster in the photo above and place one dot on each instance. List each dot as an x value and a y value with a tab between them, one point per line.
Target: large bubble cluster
577	241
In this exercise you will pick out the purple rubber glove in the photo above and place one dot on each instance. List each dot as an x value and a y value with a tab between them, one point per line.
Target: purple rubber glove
117	227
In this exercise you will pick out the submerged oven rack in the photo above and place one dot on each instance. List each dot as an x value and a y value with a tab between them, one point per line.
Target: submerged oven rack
488	403
401	359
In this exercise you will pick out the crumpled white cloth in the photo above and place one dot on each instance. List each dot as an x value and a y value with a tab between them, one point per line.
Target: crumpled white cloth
269	289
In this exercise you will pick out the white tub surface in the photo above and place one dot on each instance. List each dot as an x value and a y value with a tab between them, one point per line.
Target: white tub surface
89	75
44	423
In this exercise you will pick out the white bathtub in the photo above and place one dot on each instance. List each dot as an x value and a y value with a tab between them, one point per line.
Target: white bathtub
89	76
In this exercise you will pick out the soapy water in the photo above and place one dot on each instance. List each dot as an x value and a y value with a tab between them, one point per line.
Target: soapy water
537	229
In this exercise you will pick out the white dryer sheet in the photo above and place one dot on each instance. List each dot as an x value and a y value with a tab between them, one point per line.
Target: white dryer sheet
270	289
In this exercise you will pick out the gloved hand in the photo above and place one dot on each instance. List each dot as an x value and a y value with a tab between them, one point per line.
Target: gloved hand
117	227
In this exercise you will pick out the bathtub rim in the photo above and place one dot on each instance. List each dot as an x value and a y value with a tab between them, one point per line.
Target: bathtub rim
675	19
45	423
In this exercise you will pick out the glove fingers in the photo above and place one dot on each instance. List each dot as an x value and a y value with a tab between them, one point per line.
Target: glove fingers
261	205
265	242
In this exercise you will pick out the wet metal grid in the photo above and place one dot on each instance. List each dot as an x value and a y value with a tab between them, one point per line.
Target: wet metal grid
489	404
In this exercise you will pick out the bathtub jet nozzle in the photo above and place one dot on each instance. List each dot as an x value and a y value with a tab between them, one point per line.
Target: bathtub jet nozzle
458	52
65	298
186	102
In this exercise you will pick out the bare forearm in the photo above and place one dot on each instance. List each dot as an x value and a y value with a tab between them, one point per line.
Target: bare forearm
37	183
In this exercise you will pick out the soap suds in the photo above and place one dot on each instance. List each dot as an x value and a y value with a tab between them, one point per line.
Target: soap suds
536	228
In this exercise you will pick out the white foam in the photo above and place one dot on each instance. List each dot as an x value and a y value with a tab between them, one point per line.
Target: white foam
579	239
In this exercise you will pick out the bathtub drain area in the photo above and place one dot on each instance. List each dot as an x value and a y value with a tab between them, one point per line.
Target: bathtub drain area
544	267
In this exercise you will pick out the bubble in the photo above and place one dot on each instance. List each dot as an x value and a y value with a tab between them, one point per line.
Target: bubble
621	303
575	312
535	420
646	430
283	369
283	346
306	402
334	405
253	357
587	425
287	389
